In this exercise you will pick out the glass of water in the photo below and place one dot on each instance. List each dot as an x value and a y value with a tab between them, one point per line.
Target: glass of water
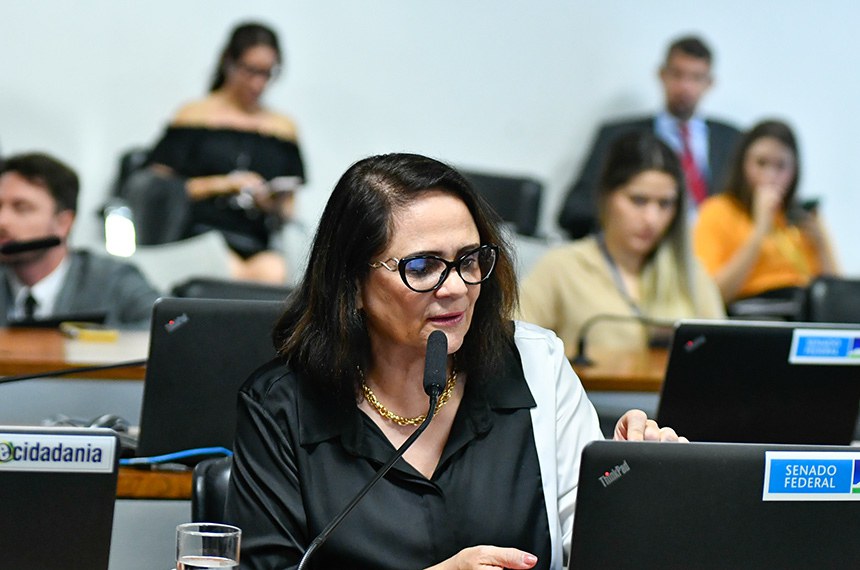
207	546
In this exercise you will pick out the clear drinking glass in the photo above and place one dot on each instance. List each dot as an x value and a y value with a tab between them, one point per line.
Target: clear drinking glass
207	546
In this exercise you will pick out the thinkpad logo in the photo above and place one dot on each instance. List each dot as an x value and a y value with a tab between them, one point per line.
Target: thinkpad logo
611	476
175	323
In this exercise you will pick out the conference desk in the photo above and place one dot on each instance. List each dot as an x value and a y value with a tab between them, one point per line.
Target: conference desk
31	351
135	483
624	371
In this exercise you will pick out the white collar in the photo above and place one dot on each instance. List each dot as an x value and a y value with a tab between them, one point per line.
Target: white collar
45	291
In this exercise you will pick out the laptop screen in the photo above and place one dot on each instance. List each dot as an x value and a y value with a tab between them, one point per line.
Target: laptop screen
57	494
716	506
769	382
201	352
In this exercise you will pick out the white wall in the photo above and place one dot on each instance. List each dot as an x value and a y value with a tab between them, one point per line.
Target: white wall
509	86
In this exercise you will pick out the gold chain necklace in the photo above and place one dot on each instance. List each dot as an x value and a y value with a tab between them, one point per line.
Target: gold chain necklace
400	420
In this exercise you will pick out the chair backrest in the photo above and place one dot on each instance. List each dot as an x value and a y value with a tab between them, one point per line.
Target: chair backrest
516	199
209	493
130	161
168	264
833	300
786	304
209	288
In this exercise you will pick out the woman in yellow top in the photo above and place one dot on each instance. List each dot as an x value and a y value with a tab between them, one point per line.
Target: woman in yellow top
754	238
640	265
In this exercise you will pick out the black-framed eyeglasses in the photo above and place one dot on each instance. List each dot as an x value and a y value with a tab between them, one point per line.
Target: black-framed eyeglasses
269	74
425	273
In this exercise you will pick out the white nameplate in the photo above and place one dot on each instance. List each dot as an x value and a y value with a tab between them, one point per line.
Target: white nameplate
62	453
811	476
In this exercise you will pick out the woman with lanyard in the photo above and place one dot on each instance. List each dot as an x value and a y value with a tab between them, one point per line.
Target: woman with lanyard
638	269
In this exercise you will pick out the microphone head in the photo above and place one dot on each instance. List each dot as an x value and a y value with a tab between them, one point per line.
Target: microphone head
13	247
436	363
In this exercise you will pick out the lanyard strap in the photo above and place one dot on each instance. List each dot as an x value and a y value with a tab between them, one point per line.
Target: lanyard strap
616	275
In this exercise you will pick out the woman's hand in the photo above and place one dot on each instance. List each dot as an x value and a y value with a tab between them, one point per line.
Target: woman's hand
243	181
767	201
282	204
810	224
635	426
203	187
813	227
487	558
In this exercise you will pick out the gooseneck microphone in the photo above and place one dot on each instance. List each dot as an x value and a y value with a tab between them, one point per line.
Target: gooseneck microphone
580	359
436	364
435	372
13	247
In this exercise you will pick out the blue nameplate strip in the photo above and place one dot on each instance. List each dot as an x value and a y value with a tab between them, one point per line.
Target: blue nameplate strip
822	346
811	476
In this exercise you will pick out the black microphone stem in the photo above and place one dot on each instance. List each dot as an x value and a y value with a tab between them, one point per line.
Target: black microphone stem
74	370
580	359
321	538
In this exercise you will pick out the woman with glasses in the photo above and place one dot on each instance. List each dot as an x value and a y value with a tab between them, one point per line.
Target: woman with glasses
238	160
637	269
405	248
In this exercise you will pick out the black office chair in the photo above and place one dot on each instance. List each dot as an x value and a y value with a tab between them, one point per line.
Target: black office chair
156	204
212	288
516	199
130	162
786	304
209	493
833	300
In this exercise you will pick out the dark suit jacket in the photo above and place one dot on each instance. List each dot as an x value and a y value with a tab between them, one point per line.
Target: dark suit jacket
98	284
579	211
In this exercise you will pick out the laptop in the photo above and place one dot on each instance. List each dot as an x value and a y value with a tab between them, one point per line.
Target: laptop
201	351
716	505
766	382
57	494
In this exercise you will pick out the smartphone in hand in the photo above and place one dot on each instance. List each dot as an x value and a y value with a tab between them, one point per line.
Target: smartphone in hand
284	184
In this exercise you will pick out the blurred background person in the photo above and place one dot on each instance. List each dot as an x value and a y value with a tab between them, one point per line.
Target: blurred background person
638	264
704	145
755	238
38	199
238	161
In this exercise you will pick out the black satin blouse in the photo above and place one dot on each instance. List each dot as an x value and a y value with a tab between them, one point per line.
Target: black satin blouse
298	463
200	151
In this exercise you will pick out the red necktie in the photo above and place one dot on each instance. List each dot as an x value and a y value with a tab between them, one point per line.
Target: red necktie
695	183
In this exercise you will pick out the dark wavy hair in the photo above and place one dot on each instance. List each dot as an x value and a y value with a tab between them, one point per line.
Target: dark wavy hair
48	172
242	38
322	332
737	184
632	154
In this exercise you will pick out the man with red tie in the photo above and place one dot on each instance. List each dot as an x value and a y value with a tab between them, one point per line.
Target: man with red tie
704	145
